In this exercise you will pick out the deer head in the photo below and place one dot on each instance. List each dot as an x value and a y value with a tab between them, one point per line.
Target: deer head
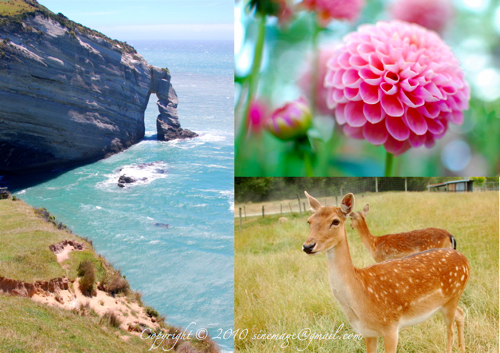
357	217
327	224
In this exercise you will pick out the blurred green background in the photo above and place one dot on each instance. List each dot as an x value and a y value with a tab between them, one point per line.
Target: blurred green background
469	149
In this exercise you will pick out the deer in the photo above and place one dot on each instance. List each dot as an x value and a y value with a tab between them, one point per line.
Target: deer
381	299
395	246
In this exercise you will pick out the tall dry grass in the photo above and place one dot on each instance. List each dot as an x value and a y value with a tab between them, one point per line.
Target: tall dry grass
279	289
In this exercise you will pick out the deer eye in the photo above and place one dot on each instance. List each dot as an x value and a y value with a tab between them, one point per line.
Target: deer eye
335	222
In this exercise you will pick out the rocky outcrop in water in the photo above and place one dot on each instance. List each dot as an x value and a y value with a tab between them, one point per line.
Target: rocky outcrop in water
167	123
69	95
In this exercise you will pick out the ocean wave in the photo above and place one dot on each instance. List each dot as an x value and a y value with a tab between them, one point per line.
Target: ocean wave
230	195
143	173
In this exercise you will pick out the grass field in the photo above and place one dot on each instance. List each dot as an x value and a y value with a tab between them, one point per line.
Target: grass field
280	290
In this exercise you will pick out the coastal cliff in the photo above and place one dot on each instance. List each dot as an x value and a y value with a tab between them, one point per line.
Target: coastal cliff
70	95
52	282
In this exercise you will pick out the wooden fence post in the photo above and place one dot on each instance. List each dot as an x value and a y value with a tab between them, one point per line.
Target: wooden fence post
240	219
263	215
298	199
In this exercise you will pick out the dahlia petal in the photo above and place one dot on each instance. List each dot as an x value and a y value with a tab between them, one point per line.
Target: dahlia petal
456	117
365	50
369	94
408	73
388	88
375	133
432	88
390	64
396	147
376	65
340	114
354	114
352	94
391	77
351	78
434	126
337	79
397	128
330	100
373	113
411	100
430	110
430	140
338	96
354	132
417	140
343	60
415	121
357	62
409	84
392	105
425	94
329	77
370	77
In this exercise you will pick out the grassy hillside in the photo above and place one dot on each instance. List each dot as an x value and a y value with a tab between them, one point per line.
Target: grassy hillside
28	326
14	7
279	289
24	244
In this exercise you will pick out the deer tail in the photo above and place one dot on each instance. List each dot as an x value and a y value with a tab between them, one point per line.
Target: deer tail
453	242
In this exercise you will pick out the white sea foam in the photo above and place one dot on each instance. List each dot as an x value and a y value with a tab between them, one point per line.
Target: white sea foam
230	195
143	173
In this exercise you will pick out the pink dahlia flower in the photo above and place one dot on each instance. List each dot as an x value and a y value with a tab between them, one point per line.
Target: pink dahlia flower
306	78
327	10
290	121
396	84
431	14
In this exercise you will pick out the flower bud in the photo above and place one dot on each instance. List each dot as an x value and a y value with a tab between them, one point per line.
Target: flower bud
290	121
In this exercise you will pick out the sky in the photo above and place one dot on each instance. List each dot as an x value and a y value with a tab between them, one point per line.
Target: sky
130	20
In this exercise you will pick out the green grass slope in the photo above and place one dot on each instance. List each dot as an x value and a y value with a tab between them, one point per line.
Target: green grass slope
28	326
279	289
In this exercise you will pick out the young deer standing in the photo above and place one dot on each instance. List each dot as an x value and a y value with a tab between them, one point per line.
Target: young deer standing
381	299
395	246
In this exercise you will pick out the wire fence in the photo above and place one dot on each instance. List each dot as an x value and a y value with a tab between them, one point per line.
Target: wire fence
295	203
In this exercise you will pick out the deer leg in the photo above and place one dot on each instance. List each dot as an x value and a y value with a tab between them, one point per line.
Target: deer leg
391	341
448	310
459	319
371	344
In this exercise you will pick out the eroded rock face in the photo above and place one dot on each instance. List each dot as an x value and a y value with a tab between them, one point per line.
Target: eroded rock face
25	289
59	247
69	98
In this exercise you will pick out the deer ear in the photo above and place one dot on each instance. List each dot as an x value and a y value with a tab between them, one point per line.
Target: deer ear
347	204
315	205
366	209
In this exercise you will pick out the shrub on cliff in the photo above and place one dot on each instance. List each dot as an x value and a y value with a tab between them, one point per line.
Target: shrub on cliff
87	273
111	319
117	285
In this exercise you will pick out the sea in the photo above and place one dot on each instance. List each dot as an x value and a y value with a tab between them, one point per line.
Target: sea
171	234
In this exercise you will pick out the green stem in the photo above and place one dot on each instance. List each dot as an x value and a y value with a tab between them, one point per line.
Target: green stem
389	158
315	52
259	46
308	164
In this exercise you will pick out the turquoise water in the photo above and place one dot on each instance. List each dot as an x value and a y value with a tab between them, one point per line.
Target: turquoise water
184	270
